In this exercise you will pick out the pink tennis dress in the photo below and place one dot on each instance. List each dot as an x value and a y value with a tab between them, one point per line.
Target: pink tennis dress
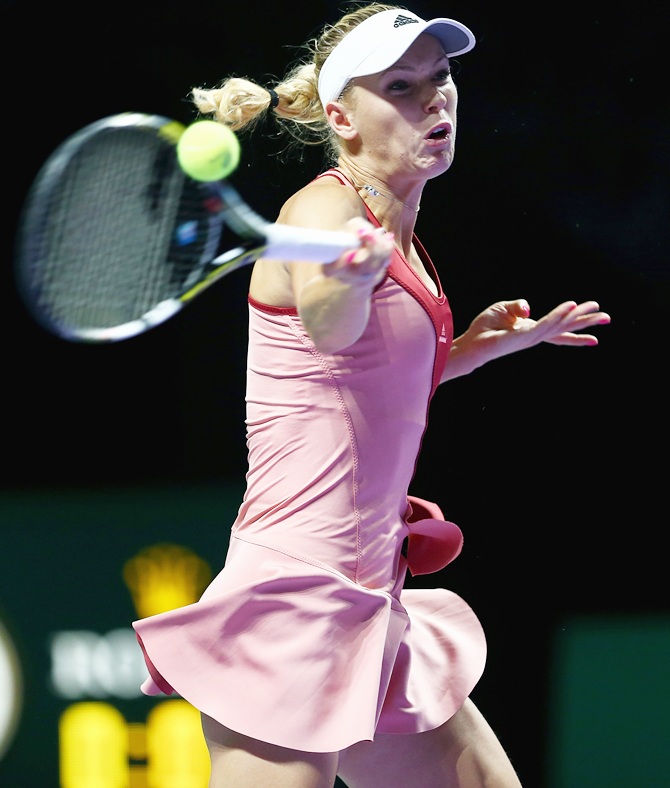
306	638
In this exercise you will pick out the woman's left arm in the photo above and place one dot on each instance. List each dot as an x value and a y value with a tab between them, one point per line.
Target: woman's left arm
506	327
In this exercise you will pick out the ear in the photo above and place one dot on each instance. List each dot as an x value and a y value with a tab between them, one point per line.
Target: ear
340	120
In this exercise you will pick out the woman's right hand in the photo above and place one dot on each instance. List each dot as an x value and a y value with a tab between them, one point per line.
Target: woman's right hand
365	265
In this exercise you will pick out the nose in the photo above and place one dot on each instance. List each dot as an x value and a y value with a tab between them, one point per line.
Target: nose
435	101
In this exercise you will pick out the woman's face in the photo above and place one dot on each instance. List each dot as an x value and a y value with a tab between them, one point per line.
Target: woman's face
405	117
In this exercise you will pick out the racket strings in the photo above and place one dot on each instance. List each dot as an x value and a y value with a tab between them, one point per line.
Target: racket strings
123	231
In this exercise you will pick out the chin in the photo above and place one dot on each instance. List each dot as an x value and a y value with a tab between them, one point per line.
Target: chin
440	166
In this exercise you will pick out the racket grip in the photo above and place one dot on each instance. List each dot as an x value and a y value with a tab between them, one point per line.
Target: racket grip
286	242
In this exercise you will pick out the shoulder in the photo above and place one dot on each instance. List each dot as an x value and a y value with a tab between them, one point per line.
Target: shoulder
324	202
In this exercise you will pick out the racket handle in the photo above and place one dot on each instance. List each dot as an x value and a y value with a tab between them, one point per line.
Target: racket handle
286	242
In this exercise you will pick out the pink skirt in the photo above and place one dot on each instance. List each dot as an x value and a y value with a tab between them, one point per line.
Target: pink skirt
293	653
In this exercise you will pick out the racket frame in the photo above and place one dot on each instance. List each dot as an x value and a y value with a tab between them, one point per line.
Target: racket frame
258	237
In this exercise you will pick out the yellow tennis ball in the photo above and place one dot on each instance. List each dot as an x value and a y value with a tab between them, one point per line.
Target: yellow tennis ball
208	151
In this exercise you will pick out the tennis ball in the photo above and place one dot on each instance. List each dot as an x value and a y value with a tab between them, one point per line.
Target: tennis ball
208	151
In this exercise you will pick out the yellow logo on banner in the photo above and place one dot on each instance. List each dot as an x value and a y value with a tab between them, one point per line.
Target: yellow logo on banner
99	748
165	576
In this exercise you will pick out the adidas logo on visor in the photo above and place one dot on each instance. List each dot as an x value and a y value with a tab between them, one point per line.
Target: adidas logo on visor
401	20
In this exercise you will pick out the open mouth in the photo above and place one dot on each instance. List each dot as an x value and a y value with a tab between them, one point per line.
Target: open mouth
440	133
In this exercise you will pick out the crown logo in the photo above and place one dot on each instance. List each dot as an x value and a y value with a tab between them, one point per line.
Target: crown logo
165	576
401	20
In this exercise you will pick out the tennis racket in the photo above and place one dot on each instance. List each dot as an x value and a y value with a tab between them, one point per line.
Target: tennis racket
115	238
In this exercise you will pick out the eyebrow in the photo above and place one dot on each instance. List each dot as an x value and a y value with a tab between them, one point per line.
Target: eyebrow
399	67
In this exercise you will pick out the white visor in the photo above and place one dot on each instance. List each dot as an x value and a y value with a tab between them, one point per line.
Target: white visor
381	40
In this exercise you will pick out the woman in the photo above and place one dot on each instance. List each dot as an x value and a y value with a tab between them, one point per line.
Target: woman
305	656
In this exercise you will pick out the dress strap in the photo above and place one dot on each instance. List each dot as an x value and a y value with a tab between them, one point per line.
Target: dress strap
333	172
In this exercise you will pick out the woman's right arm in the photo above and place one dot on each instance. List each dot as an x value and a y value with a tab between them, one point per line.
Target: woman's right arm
333	300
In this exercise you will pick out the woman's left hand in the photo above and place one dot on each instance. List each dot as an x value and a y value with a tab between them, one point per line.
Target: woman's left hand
506	327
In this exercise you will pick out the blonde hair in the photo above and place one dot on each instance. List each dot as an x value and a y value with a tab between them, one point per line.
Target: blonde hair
241	103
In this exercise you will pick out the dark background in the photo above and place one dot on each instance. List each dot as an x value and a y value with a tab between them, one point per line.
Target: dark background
553	462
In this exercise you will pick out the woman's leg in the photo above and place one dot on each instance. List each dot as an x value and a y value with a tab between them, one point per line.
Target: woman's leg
241	762
462	753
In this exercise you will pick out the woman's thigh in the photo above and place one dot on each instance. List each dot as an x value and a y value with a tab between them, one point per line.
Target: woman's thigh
239	761
462	753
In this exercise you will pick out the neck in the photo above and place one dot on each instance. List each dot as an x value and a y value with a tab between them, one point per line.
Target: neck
356	176
376	193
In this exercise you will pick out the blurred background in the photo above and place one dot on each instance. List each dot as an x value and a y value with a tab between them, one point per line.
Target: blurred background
123	464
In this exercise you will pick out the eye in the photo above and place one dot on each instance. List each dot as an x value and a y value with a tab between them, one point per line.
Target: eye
398	86
442	75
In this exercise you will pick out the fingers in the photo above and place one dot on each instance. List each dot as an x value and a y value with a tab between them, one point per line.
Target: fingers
518	308
573	340
368	263
566	319
508	314
585	315
570	313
